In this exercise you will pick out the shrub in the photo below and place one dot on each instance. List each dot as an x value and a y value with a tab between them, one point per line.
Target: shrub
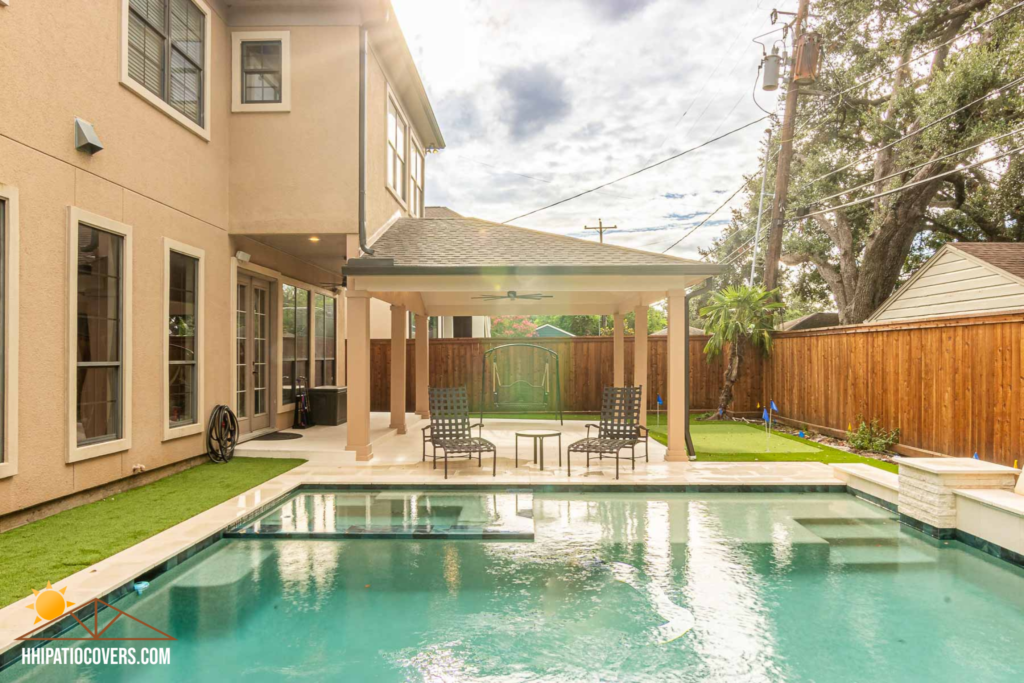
871	437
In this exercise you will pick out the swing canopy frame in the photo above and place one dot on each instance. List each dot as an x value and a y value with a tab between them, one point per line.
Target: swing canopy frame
546	384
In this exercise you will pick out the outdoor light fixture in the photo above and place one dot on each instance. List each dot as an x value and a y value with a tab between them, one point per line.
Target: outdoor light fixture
242	256
314	238
86	139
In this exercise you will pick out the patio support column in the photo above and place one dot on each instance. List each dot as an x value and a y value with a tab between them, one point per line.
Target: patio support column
640	357
359	375
619	350
399	317
677	389
422	365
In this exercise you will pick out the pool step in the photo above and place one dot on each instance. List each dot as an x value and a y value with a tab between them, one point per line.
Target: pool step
869	543
878	556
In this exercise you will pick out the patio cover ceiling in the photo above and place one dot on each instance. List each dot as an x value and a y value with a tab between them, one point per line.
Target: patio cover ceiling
438	266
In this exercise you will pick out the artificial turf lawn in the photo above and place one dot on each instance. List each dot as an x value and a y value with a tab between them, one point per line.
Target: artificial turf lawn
58	546
714	441
728	441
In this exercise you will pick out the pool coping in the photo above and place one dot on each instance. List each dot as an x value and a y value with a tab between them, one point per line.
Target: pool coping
11	650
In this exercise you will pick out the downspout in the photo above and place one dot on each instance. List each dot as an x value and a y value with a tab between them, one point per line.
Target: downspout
703	289
364	41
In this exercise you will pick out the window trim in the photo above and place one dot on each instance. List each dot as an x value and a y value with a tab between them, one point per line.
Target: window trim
200	255
392	99
239	37
155	100
76	453
415	148
9	458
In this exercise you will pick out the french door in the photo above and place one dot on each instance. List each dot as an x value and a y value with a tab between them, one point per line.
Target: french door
253	398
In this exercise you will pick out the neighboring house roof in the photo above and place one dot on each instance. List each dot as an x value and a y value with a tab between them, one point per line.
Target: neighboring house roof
811	321
458	244
440	212
962	278
548	330
1006	256
664	332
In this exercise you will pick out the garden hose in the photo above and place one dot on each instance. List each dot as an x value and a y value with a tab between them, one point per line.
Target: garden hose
222	434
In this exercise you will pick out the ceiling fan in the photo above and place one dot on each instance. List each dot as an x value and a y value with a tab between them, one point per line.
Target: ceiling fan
514	296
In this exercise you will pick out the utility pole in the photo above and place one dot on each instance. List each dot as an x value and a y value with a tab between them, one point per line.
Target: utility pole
774	251
760	204
600	227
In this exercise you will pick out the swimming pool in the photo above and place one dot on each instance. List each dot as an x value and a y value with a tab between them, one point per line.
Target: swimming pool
393	586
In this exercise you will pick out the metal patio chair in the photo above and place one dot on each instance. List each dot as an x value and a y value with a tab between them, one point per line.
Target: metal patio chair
618	430
451	431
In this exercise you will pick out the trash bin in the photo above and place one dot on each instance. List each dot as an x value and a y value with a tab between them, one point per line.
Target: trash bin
329	404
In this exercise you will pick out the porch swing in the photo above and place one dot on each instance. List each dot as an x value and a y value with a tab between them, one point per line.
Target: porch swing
520	394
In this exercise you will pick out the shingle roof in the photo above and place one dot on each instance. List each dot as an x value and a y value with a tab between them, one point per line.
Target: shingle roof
694	331
439	212
474	242
1008	256
811	321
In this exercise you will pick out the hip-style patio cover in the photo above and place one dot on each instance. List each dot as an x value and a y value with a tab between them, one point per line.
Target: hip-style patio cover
457	266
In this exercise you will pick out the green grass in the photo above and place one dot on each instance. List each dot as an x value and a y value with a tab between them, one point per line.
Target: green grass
58	546
731	441
738	442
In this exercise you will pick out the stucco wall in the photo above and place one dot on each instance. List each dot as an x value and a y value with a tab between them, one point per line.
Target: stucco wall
293	172
153	174
297	171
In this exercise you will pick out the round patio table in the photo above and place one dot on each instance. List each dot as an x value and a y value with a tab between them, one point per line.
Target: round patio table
538	436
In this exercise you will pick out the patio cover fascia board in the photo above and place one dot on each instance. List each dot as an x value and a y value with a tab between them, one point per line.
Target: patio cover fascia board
576	291
364	267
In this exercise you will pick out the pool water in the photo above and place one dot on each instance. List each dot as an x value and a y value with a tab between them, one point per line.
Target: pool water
631	587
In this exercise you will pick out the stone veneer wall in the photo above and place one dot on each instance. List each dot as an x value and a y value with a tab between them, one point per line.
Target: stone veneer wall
928	496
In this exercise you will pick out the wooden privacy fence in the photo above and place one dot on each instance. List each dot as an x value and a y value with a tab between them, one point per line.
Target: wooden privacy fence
585	363
951	386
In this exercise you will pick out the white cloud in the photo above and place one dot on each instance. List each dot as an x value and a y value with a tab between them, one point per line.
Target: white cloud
575	93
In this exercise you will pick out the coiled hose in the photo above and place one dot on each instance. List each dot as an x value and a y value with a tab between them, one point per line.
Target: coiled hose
222	434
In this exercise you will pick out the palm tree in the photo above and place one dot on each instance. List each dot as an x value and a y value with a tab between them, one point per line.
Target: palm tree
738	316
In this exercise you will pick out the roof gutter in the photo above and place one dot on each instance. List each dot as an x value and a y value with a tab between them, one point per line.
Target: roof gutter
364	42
381	267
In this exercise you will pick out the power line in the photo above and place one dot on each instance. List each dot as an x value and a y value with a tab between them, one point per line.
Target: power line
722	206
639	171
914	168
918	131
913	184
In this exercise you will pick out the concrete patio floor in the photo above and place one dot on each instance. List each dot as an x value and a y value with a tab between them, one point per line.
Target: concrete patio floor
397	459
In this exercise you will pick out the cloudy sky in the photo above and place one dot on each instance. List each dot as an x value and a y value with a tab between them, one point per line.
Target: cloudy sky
541	99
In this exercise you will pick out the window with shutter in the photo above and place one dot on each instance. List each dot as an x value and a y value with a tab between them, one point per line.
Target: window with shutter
167	52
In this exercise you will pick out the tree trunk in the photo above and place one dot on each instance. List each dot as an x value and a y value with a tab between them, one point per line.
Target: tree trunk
732	373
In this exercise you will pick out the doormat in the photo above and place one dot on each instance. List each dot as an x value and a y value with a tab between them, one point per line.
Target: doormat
278	436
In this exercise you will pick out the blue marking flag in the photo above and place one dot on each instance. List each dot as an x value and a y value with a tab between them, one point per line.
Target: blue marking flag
774	407
764	414
660	402
801	435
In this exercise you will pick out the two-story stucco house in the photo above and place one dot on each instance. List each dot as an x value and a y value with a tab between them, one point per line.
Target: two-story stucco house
195	259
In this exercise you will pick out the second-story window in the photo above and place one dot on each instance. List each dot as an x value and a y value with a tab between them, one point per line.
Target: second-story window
167	52
261	72
397	133
416	183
